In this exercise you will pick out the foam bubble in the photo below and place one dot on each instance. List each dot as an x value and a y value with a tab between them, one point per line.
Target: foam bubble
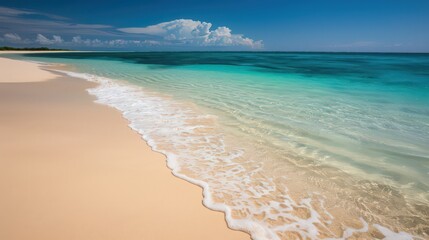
196	152
390	235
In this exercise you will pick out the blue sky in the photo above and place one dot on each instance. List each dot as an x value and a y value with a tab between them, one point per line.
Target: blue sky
272	25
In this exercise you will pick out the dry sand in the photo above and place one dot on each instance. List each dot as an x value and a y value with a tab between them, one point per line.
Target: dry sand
72	169
14	71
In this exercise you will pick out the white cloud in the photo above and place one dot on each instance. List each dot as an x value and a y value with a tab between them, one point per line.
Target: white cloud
46	41
57	39
187	31
19	26
12	37
78	40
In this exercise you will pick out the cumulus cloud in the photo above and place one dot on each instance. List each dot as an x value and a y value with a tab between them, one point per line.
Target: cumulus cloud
187	31
78	40
27	27
12	37
46	41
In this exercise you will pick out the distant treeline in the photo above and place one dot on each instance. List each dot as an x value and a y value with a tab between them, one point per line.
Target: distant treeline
5	48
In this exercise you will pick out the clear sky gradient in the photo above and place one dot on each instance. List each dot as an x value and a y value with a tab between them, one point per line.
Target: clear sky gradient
271	25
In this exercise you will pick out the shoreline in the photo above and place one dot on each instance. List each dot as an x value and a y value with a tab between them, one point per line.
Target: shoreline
74	169
146	112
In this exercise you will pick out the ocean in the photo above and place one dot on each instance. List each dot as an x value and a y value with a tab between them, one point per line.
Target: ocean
287	145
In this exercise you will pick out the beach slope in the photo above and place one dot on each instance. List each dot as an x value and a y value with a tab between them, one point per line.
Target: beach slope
72	169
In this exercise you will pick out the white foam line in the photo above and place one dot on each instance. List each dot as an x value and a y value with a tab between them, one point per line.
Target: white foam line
257	231
134	103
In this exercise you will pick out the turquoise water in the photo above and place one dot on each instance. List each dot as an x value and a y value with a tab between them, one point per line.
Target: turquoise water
343	136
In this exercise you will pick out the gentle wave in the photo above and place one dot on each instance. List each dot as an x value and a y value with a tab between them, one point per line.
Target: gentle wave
196	152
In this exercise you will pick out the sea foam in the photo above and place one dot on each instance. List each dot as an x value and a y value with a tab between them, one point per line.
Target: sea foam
196	152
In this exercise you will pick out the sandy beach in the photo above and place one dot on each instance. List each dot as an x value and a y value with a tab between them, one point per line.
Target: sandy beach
73	169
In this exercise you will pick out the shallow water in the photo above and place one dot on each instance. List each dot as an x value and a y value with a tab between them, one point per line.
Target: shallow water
288	145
